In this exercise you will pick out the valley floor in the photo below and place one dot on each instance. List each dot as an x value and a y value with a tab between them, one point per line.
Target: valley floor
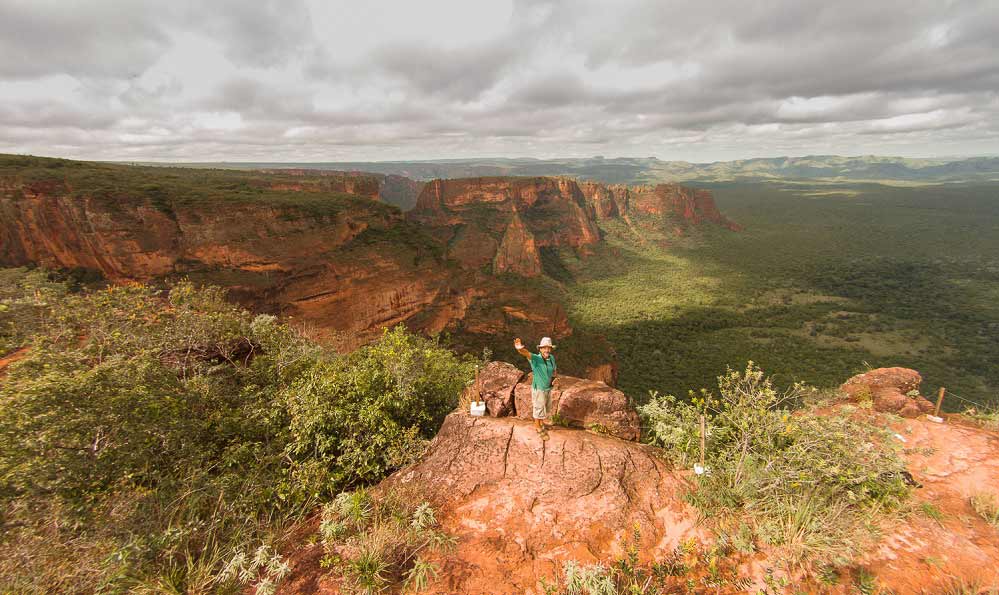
823	282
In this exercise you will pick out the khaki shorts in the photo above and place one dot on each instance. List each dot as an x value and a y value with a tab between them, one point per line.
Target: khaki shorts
541	402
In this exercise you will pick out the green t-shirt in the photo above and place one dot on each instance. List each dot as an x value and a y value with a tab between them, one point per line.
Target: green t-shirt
544	371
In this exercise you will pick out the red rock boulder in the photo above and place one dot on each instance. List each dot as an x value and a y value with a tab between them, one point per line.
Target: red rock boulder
494	385
588	404
888	389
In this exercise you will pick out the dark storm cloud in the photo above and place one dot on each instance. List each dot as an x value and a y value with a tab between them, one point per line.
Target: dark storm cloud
311	79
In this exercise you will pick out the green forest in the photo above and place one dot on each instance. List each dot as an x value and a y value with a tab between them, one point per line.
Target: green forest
824	281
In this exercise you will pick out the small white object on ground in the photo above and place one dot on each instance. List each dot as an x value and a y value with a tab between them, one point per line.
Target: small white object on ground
478	408
935	419
699	470
901	437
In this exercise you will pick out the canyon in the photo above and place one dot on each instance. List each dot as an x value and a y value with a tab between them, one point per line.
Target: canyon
332	250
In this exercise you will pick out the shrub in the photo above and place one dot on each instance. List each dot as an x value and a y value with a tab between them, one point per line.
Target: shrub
148	437
806	481
355	418
379	542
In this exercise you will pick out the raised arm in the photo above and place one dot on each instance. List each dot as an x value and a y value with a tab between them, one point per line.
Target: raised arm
519	346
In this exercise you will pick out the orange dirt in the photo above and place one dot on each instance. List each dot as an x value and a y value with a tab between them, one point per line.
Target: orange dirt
921	555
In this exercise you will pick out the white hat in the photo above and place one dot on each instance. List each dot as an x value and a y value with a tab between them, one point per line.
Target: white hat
546	342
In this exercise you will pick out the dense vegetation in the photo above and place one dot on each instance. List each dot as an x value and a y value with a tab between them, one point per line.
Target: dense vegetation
824	281
157	441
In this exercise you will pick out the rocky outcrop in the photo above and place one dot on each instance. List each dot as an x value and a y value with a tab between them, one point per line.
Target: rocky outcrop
517	252
588	404
678	205
950	462
579	402
894	390
507	221
519	506
494	384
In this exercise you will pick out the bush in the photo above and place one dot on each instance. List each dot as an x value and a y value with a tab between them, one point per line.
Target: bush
806	481
355	418
150	438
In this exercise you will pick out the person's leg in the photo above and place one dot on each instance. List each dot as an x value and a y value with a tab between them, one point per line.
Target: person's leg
539	410
548	409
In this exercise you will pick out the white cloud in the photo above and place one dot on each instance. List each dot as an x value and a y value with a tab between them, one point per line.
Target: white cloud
295	80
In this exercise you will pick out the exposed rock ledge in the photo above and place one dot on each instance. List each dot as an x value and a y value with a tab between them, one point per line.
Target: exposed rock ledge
578	402
519	505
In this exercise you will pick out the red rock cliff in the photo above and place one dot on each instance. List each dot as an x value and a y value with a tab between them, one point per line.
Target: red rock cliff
353	269
683	205
295	243
553	210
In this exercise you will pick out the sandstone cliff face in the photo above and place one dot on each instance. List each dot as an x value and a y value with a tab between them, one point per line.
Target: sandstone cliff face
517	252
507	222
519	216
607	201
352	270
679	204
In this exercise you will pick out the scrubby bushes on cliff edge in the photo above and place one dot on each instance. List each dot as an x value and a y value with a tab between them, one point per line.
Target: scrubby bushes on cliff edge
148	439
809	485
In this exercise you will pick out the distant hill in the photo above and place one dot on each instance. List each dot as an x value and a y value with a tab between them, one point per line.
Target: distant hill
626	170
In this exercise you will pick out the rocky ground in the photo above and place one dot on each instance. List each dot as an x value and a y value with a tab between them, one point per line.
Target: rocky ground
520	505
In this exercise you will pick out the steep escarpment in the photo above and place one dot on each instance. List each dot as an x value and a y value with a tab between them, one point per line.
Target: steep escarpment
398	191
475	257
309	180
678	205
506	222
292	243
341	261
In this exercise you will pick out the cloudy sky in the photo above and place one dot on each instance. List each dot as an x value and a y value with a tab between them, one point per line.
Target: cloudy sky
328	80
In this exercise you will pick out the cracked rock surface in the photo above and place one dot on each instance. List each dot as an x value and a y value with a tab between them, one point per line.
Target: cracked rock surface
519	505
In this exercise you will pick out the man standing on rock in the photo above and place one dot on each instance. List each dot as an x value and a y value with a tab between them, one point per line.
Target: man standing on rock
544	369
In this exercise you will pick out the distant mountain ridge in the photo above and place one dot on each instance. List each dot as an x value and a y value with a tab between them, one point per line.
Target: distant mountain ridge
650	170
